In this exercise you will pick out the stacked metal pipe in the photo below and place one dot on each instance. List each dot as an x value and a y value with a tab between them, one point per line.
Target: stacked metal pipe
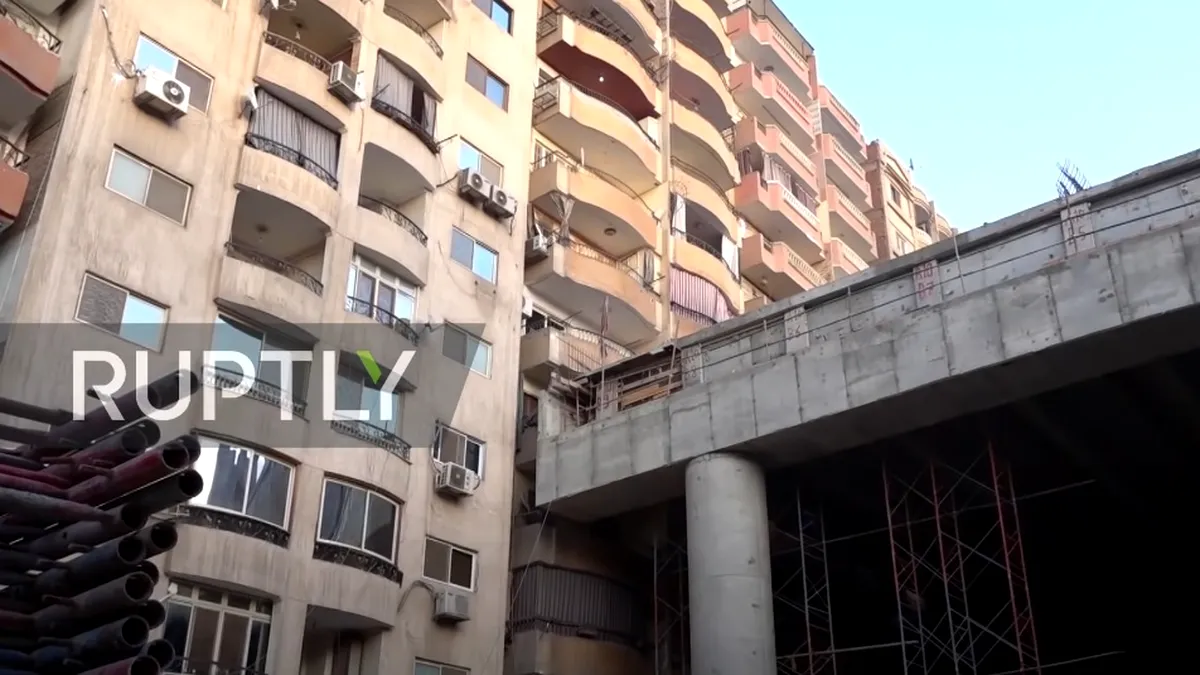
77	534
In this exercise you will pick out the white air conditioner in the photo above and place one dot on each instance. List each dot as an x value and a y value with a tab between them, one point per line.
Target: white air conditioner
345	83
537	248
162	95
500	204
451	607
473	186
454	480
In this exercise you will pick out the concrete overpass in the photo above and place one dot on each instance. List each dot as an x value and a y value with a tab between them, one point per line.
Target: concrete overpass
1053	295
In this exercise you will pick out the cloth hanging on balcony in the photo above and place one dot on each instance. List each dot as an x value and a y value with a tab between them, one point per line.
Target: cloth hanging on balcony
290	132
393	86
698	295
678	214
729	253
564	204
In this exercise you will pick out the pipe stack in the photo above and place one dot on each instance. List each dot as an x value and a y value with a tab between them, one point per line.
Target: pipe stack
77	534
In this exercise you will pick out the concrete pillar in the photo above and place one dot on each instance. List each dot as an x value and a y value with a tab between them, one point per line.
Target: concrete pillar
729	567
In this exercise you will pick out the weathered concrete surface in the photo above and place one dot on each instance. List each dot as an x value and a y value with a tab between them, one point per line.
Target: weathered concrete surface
1043	298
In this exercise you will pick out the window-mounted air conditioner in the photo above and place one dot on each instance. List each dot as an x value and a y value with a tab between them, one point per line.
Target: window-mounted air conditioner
500	204
160	94
455	480
451	607
473	187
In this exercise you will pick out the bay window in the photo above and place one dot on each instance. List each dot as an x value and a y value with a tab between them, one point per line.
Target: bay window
234	335
358	518
354	390
215	632
243	481
453	446
379	294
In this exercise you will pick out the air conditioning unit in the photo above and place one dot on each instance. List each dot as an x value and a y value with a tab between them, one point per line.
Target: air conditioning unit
537	248
500	204
451	607
160	94
473	187
346	83
454	480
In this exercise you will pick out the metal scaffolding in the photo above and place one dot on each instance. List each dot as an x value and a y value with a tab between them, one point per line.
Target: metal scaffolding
962	594
810	582
670	629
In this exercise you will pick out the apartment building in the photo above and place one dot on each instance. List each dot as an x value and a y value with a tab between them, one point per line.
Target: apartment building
288	174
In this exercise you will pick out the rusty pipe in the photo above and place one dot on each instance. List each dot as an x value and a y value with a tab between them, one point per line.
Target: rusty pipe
161	651
9	459
124	520
136	473
43	508
169	492
138	665
100	565
112	640
39	476
119	594
158	538
116	449
37	487
36	413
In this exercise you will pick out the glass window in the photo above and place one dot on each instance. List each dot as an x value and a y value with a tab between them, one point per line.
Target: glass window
449	564
461	346
214	631
375	292
354	391
454	446
469	253
469	157
150	54
243	481
431	668
115	310
485	82
500	13
138	181
233	335
359	519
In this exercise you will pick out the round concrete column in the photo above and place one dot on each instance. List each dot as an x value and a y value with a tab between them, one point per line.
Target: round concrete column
729	567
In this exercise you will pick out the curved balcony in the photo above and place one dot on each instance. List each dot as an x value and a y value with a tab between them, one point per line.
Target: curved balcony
848	223
921	238
575	351
628	21
922	211
703	260
699	144
769	138
387	234
287	175
690	183
28	63
699	300
698	22
13	181
252	279
300	76
781	215
844	170
581	51
695	80
385	335
615	217
762	43
765	97
777	268
401	159
610	138
426	12
841	261
414	47
577	275
835	118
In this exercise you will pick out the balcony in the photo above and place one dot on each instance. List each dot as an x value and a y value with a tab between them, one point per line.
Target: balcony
298	73
764	96
777	268
569	350
701	192
427	13
922	211
581	50
577	275
385	233
28	63
762	43
698	251
401	158
608	136
837	120
698	143
848	223
845	171
698	23
13	182
612	215
413	44
377	329
751	134
629	22
696	82
840	261
781	215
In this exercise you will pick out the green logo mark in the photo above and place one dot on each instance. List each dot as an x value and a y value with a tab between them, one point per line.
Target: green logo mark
368	362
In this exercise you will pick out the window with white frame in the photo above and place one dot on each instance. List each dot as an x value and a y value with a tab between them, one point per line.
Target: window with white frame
449	564
243	481
375	292
213	631
115	310
499	12
358	518
454	446
147	185
235	335
423	667
354	390
468	252
467	349
471	157
150	54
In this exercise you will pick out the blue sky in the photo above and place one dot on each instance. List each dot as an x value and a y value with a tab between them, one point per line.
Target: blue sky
987	97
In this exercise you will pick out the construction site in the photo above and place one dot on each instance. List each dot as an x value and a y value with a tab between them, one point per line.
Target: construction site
999	493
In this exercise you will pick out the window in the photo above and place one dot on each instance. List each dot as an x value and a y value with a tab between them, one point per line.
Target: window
115	310
473	255
359	519
216	631
282	130
243	481
403	100
895	194
430	668
467	349
538	320
374	288
236	336
486	82
500	13
354	390
151	187
449	564
456	447
150	54
469	157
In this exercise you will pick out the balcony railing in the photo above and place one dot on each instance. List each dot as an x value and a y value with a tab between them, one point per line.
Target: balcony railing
546	97
844	202
707	248
376	206
12	155
550	22
589	350
373	434
27	22
795	151
298	51
556	157
223	378
185	666
292	156
415	27
853	259
798	204
284	269
845	155
842	109
383	316
405	120
699	175
797	263
591	253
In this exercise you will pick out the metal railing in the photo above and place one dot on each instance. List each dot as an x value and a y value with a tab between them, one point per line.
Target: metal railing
592	253
250	255
292	156
298	51
405	120
12	155
556	157
389	212
373	434
186	666
223	378
551	21
29	24
547	89
383	316
707	248
699	175
586	350
415	27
